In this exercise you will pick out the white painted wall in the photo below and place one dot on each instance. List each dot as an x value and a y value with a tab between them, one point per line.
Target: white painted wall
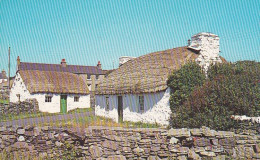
3	80
51	107
156	107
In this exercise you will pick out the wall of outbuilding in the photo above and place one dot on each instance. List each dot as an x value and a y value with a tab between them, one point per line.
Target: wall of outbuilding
51	107
156	107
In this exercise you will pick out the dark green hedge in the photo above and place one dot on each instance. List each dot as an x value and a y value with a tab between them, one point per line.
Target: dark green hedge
230	89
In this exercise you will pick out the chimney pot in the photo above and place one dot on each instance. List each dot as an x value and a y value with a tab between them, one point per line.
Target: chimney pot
99	65
63	63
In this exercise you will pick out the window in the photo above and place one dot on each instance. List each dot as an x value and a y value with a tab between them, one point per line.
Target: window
141	103
89	76
107	103
48	98
76	99
97	76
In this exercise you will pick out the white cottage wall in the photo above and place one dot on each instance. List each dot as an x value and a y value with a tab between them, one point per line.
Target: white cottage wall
156	107
51	107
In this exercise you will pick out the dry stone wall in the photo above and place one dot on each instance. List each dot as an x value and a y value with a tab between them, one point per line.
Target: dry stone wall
28	106
118	143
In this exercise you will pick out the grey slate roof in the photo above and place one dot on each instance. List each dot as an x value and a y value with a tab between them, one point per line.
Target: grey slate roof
77	69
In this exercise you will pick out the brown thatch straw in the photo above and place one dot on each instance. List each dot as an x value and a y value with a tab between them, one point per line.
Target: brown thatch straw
53	82
145	74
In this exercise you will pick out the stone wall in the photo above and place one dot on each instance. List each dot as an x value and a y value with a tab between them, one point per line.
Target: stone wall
118	143
28	106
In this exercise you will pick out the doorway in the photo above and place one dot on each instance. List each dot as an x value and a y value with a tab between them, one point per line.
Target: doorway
120	109
63	104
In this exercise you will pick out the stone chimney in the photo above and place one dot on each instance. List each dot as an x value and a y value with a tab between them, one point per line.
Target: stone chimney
207	44
4	73
99	65
124	59
63	63
18	63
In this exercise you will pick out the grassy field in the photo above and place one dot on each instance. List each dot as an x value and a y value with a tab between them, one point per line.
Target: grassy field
10	117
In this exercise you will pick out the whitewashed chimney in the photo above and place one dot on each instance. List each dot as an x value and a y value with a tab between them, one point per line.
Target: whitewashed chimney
124	59
207	44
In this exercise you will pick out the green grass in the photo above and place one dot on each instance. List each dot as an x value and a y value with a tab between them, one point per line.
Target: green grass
4	101
84	122
10	117
80	110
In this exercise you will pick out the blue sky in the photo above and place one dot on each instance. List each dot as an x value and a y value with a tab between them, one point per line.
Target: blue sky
86	31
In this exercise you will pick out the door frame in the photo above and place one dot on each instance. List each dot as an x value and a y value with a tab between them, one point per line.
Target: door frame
120	108
63	95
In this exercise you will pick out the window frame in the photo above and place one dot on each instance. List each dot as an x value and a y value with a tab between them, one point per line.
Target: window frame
141	104
76	98
48	98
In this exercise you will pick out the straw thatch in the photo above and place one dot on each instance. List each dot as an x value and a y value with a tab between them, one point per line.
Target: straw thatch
53	82
145	74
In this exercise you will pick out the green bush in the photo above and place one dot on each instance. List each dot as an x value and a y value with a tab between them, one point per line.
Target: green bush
231	89
183	81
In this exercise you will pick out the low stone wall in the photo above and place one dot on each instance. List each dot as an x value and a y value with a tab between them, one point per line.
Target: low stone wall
28	106
118	143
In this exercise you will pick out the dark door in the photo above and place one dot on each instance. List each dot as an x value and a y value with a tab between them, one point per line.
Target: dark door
63	104
120	109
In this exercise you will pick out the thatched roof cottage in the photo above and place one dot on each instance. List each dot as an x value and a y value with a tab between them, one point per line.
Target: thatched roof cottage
138	91
57	87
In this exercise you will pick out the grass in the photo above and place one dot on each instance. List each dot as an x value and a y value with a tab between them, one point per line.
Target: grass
85	122
10	117
4	101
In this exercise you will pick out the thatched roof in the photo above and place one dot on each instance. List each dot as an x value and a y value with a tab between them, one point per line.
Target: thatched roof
53	82
148	73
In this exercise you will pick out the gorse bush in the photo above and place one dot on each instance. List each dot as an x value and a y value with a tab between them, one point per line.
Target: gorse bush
231	89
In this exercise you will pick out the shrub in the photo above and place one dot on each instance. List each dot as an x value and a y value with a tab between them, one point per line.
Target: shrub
183	81
231	89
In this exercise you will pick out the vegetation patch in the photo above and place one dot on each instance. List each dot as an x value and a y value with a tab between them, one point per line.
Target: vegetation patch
230	89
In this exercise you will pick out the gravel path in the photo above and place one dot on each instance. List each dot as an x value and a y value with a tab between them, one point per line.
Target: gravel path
46	119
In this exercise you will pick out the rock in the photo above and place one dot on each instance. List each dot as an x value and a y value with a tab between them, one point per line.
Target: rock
138	151
208	132
174	140
48	142
20	131
110	144
257	148
95	151
21	139
2	129
127	149
116	157
227	142
153	158
21	145
196	132
184	132
58	144
43	155
201	142
224	134
193	155
155	149
36	131
208	154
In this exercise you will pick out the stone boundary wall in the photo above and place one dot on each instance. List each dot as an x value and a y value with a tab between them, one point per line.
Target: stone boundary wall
28	106
118	143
